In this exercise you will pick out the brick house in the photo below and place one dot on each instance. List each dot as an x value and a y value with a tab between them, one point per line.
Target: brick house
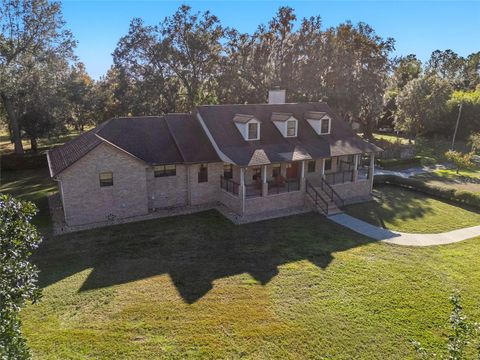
252	159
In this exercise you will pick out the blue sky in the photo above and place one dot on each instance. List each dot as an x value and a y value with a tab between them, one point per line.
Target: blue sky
418	27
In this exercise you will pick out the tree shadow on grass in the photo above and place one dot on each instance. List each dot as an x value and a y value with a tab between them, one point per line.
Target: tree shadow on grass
194	250
390	205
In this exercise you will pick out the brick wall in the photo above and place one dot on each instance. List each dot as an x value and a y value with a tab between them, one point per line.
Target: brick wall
274	202
86	202
233	202
167	191
354	192
206	192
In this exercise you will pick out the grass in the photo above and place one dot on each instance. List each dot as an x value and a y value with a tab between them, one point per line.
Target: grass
198	286
31	185
403	210
391	138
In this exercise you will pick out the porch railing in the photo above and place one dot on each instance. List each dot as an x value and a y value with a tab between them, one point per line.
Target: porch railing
318	200
339	177
288	185
229	185
327	189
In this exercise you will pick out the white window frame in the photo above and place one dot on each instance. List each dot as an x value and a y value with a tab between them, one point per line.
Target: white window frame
295	127
248	131
329	125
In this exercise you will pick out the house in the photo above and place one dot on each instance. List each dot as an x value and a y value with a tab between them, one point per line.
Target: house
252	158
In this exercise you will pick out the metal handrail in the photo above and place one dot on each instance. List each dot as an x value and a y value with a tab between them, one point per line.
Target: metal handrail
229	185
333	194
316	196
334	176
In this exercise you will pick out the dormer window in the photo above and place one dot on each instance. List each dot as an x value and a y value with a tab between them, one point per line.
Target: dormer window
325	127
319	121
248	126
285	123
253	131
291	128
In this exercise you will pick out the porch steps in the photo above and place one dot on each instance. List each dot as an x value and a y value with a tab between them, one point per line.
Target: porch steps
332	208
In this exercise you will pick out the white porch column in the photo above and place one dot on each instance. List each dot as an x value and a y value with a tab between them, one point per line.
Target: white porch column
242	189
264	181
302	175
371	168
322	168
355	167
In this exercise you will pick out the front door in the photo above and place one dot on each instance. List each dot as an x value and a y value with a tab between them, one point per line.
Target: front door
292	170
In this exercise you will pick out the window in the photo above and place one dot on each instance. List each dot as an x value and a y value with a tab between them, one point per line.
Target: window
164	170
106	179
328	164
325	126
291	128
275	170
227	171
203	173
253	131
311	166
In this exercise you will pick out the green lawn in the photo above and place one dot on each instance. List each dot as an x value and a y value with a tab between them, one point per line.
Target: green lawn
396	208
198	286
32	185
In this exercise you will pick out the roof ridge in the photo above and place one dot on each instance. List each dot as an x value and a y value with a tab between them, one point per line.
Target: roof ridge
175	141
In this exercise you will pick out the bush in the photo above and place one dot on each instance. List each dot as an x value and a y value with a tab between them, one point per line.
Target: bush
459	196
389	163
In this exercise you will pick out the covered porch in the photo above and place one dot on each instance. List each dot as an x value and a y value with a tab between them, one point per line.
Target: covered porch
241	185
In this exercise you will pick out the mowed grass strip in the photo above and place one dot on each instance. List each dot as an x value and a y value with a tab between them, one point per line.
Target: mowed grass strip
399	209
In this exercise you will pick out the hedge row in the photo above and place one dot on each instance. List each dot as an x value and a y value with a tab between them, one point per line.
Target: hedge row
389	163
460	196
22	162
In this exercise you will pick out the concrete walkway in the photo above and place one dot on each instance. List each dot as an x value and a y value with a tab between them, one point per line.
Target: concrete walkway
399	238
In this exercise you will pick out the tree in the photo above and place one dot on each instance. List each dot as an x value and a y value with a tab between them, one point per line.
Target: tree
405	69
474	141
79	96
31	34
464	335
421	105
461	160
18	277
179	56
447	65
470	119
36	123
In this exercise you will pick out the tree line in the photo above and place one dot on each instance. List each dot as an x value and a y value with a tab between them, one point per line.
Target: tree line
190	58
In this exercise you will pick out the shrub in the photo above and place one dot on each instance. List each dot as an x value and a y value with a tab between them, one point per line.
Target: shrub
461	160
389	163
460	196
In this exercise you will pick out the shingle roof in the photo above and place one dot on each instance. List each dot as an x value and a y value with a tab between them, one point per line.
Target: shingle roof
61	157
276	148
175	139
191	140
242	118
315	115
277	116
179	138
